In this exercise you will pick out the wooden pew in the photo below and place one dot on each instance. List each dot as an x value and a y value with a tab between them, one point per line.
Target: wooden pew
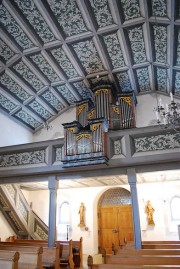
144	260
30	257
66	254
136	252
171	242
77	249
117	266
67	257
77	252
65	249
30	241
130	265
9	259
160	246
50	257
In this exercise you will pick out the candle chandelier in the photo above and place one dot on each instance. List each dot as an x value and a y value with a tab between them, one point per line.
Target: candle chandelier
168	117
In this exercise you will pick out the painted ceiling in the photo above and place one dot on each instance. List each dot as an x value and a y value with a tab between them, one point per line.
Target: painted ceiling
53	52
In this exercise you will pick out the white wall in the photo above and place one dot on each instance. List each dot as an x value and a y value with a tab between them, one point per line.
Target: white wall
39	201
12	133
5	229
160	195
57	128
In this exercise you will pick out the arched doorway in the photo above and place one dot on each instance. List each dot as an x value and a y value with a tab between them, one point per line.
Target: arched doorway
115	225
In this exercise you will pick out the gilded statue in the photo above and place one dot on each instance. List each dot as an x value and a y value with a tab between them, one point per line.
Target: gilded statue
150	211
81	213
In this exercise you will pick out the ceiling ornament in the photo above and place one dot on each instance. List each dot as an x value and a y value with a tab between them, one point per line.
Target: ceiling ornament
47	126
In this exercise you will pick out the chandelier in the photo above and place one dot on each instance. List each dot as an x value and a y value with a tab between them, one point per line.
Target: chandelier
168	117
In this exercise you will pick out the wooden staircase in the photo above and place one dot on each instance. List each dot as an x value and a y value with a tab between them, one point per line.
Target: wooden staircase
22	219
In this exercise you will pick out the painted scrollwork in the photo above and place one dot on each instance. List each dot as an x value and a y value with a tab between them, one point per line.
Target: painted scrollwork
22	158
131	9
5	51
64	62
28	75
13	87
102	12
157	142
14	29
137	44
68	16
7	104
114	50
89	57
143	79
44	113
49	96
35	19
45	67
27	118
66	94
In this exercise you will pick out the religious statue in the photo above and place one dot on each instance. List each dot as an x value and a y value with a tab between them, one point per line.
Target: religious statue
81	213
150	211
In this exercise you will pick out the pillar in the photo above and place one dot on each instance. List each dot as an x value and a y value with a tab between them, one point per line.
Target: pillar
53	186
135	208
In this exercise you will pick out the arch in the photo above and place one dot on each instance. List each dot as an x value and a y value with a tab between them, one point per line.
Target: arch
115	225
115	196
64	213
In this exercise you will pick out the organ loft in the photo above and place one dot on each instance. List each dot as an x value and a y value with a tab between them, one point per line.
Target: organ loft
85	138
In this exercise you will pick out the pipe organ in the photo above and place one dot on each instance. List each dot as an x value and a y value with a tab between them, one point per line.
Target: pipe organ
85	138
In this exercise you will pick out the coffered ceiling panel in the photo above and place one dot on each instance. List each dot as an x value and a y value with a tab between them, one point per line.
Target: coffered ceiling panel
53	52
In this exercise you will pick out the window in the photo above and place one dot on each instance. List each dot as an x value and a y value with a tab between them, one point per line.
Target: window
174	206
64	213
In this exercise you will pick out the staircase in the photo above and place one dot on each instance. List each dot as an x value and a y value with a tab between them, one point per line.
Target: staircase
22	219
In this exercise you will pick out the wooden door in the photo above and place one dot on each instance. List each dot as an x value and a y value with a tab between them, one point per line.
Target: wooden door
114	224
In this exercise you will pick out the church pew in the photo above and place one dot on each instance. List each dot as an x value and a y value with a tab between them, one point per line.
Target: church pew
117	266
50	256
131	264
65	249
75	249
9	259
144	260
30	257
66	254
160	246
171	242
18	240
136	252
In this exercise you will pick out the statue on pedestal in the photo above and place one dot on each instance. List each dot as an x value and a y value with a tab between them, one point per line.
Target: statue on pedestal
150	211
81	213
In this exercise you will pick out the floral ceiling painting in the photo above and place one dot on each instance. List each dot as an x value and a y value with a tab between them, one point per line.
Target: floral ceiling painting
53	52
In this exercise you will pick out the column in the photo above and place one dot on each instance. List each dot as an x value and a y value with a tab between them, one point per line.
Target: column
53	186
135	208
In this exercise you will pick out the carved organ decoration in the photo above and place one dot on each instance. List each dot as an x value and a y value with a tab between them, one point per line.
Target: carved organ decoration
85	138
